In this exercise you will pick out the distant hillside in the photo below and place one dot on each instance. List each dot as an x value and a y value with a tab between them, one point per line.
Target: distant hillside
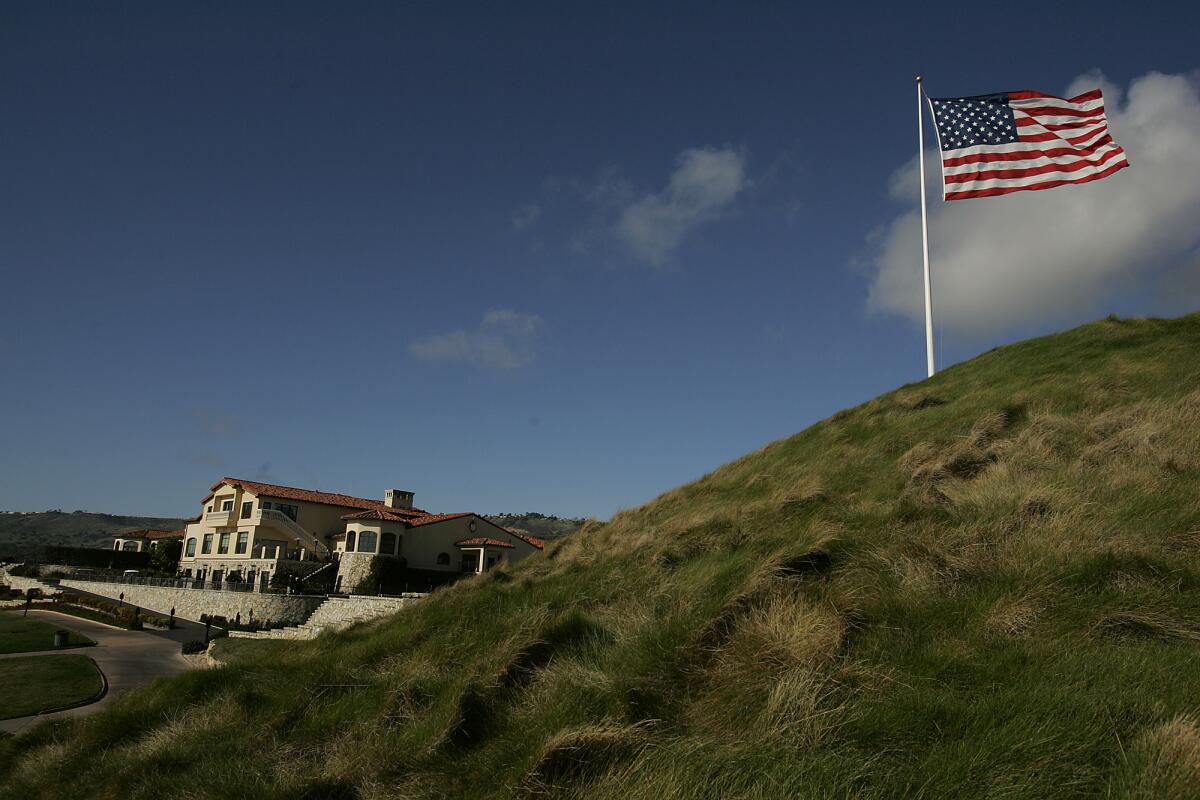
24	534
539	525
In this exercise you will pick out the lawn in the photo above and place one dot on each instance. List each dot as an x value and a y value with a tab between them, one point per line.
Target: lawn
32	684
22	635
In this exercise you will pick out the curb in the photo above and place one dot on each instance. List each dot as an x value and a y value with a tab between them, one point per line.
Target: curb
85	619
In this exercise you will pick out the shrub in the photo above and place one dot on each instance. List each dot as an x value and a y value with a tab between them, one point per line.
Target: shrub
193	647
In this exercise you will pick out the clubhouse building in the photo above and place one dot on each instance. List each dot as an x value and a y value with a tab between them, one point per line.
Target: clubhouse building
249	533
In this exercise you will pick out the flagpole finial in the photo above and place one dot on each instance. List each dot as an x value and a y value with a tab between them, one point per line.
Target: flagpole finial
918	79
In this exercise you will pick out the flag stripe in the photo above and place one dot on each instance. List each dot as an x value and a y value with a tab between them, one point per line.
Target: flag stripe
963	195
1075	123
1027	94
984	175
1015	155
1101	156
1089	109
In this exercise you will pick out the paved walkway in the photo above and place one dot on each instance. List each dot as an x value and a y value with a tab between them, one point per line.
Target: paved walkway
128	659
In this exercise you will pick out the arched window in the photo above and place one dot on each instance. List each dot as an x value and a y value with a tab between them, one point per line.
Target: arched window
387	544
191	547
116	544
130	547
366	541
349	541
443	559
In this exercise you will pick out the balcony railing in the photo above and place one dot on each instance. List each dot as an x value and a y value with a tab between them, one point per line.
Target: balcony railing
286	523
217	517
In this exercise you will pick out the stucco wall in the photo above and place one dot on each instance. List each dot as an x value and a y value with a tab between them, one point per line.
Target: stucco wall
191	603
422	545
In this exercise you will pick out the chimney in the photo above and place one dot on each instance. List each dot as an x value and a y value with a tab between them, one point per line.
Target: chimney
397	498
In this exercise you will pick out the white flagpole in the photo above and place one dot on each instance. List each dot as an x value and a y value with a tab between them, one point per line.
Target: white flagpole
925	234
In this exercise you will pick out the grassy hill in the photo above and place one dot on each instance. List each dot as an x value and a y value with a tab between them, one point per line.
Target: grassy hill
540	525
25	534
983	585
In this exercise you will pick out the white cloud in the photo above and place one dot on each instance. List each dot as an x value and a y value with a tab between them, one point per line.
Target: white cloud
1031	256
704	184
526	216
650	227
505	339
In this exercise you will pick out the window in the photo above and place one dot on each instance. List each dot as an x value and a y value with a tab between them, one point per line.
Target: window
130	547
443	558
191	547
207	548
242	542
366	541
387	544
349	541
227	505
247	509
116	544
223	545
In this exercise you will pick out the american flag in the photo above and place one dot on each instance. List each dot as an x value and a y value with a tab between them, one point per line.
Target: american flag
1010	142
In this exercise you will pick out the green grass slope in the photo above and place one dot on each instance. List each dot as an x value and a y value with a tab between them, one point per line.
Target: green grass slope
983	585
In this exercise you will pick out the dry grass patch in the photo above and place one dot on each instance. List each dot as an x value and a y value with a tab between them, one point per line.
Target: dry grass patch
1169	760
779	666
1015	615
578	755
1144	624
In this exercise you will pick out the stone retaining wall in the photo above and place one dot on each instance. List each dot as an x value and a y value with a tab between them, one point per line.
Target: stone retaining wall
191	603
22	584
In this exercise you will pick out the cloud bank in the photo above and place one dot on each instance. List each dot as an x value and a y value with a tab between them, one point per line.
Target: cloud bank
1034	256
505	339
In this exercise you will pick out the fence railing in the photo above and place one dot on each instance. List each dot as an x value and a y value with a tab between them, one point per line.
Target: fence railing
171	583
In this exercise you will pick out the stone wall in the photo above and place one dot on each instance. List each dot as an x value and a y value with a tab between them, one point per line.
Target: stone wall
191	603
23	584
354	572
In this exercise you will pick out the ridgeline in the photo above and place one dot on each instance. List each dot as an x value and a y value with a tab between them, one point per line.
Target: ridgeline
982	585
23	535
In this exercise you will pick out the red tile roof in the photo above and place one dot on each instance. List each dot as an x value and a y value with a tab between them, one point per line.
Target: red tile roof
429	519
482	541
412	519
148	534
387	514
306	495
533	541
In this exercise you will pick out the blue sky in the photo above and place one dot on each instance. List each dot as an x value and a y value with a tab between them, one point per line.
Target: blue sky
513	257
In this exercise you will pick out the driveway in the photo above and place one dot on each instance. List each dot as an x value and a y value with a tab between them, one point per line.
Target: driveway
128	659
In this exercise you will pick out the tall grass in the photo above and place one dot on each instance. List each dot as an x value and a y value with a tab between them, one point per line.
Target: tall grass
982	585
